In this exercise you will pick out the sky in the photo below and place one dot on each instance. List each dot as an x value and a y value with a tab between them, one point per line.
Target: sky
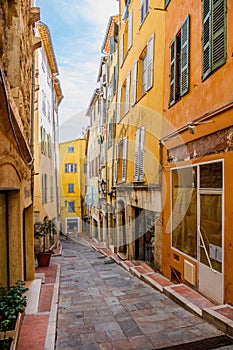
77	29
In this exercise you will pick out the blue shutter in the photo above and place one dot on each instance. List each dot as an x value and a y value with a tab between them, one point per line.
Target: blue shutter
184	58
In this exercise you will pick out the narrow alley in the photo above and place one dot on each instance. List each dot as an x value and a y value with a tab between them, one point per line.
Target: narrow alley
102	306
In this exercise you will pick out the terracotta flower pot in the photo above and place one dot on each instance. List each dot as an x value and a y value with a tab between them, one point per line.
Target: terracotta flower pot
43	259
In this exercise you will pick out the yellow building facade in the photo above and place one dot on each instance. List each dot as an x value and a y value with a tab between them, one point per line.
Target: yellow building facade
139	120
73	170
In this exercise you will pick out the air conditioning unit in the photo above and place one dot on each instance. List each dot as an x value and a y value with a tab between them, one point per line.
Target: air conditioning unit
189	272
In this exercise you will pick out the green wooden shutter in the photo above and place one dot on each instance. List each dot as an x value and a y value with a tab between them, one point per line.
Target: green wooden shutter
219	33
184	61
206	37
173	72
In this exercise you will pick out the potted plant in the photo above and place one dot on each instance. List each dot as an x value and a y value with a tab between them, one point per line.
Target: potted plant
44	231
12	306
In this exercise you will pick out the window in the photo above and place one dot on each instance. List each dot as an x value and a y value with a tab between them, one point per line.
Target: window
71	207
72	225
134	83
121	49
166	3
70	188
119	105
49	143
127	94
144	69
130	30
48	111
43	140
184	210
44	189
144	9
139	155
70	149
122	159
85	168
197	205
70	168
179	63
213	35
43	102
51	189
144	73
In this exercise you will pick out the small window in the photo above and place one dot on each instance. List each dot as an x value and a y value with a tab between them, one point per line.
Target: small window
71	188
144	9
70	149
70	168
71	207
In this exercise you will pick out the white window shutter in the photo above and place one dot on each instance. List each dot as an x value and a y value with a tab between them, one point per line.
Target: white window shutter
134	83
130	30
150	62
119	105
124	159
116	163
121	49
141	153
136	156
127	93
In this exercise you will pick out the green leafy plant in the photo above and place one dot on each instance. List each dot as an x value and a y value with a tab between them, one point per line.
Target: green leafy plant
47	230
12	302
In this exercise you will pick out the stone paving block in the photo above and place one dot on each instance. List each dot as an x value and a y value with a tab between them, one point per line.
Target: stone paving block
140	342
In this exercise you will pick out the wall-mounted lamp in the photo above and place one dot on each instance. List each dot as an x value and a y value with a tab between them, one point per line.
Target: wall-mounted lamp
102	186
192	125
192	128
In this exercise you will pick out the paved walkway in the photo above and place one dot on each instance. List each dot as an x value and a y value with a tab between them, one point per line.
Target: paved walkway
102	305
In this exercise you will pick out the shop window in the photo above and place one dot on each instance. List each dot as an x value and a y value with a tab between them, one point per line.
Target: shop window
184	210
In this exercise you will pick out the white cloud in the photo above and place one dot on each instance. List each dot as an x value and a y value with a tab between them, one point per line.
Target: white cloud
77	29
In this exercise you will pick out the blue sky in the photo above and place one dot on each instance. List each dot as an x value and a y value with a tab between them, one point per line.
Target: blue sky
77	29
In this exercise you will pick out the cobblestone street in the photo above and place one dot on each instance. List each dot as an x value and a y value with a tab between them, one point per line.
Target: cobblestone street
102	306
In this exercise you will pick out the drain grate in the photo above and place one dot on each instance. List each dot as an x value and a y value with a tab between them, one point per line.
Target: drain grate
205	344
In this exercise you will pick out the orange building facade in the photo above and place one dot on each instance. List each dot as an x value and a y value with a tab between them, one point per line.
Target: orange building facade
197	145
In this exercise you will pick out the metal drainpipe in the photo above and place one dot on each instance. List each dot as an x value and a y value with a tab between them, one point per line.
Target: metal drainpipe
32	123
